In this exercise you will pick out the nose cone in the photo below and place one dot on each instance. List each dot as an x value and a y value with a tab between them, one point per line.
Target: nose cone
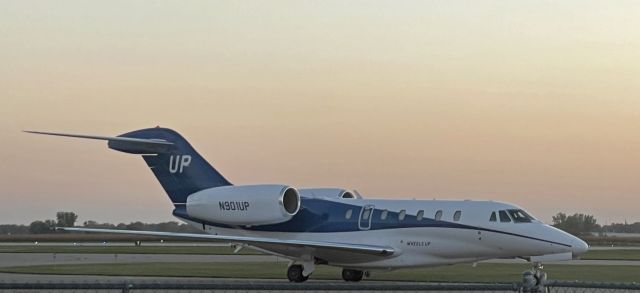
578	247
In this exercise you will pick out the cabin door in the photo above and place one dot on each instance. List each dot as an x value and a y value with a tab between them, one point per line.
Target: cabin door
366	213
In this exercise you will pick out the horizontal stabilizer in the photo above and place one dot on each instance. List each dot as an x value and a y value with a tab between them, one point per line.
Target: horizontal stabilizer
123	144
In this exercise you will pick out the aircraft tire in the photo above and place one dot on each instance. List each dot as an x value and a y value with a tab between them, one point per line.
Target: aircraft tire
294	274
352	275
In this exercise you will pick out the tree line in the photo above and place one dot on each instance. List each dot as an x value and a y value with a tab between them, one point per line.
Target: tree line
581	224
68	219
576	224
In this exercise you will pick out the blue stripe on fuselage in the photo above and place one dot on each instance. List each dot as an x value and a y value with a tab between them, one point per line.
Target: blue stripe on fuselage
324	216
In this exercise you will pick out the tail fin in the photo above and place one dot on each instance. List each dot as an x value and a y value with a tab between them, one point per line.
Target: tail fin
179	168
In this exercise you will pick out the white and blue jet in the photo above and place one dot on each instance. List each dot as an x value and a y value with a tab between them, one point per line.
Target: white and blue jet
334	226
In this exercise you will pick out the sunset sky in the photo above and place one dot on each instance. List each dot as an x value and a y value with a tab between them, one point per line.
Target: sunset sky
536	103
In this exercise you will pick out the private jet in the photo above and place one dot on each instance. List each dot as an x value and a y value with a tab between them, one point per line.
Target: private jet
334	226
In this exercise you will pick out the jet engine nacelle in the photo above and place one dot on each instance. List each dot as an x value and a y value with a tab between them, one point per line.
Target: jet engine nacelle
328	193
245	205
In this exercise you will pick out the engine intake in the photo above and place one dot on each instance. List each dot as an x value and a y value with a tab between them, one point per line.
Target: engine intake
245	205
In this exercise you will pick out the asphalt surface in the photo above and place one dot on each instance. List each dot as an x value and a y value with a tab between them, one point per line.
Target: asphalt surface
117	284
4	277
578	262
23	259
230	285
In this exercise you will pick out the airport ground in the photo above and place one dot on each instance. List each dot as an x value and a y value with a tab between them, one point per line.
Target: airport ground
197	261
595	253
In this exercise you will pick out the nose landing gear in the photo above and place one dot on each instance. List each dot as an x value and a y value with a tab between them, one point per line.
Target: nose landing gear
533	280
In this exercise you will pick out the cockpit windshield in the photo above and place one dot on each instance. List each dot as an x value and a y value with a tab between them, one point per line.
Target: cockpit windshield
520	216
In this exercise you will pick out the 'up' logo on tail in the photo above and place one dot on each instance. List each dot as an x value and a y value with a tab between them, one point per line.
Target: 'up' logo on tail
178	163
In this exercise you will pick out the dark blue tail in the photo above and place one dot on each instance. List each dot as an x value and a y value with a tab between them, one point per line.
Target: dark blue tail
179	168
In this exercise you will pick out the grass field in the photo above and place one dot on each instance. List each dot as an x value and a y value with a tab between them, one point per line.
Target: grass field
611	240
619	254
457	273
622	254
84	237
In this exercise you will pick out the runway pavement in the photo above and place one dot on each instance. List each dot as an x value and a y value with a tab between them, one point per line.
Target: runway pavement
144	284
22	259
235	285
580	262
18	278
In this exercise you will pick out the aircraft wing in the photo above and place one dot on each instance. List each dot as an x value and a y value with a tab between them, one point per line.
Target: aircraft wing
271	244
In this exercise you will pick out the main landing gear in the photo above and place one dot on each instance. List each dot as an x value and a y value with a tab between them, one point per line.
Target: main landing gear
294	273
300	270
352	275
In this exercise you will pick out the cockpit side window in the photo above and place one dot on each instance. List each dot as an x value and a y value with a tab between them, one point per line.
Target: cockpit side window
456	215
528	215
519	216
493	217
504	217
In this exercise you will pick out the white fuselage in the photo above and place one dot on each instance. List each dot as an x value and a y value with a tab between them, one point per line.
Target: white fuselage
467	237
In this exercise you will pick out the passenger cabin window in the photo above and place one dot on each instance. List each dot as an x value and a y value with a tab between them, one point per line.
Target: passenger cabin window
504	217
456	215
401	215
420	215
438	215
493	217
383	215
348	214
366	213
520	216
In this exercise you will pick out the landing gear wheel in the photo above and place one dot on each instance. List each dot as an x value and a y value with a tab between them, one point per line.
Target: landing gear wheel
352	275
294	273
534	280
